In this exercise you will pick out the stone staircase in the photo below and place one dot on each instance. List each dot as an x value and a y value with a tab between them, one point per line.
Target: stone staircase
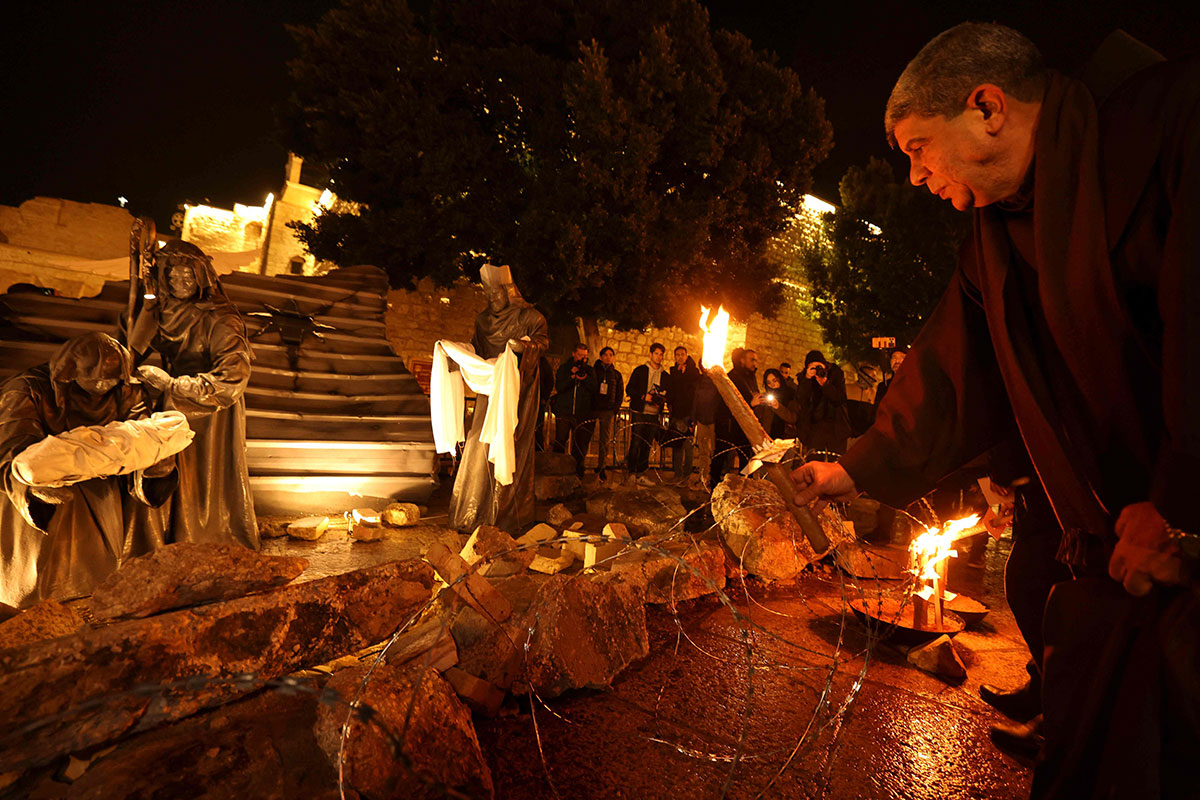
333	418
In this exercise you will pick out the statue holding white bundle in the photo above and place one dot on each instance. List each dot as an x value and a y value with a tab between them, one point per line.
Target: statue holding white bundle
83	461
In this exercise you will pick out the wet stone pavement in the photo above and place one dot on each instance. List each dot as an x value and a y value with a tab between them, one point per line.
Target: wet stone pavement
790	697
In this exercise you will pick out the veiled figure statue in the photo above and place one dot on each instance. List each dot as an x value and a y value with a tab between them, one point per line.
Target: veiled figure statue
478	498
60	542
202	341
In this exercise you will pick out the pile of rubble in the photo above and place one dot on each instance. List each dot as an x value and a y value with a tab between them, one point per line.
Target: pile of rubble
378	669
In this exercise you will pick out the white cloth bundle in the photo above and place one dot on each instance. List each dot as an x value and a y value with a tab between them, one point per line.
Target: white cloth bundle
499	379
101	451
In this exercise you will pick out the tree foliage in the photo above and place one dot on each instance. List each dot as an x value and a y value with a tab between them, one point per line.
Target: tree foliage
884	280
625	159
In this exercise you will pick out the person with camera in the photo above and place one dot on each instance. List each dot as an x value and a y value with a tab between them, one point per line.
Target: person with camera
821	421
647	396
575	388
774	406
609	392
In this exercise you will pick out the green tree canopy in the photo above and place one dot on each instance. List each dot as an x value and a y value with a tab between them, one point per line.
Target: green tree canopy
883	263
625	159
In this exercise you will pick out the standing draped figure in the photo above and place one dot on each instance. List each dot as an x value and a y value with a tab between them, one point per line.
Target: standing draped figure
478	499
202	341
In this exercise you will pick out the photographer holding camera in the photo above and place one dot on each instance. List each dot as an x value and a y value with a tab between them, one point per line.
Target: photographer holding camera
821	420
647	396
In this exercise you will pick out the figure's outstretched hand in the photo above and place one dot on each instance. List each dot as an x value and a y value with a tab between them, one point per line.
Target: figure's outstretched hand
154	376
518	346
1144	553
820	480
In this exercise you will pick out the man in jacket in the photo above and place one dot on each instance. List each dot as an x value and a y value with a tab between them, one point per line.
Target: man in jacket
647	396
1068	323
575	389
609	391
681	394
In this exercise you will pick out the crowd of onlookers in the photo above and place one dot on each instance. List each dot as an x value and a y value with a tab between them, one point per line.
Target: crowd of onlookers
678	408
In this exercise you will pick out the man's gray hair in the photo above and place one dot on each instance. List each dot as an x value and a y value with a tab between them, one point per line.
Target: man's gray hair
942	76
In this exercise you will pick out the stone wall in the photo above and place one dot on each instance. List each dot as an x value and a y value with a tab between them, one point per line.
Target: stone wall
86	230
222	230
417	319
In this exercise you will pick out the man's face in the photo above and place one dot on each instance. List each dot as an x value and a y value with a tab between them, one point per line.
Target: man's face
656	357
786	372
581	354
181	280
750	361
497	298
897	360
607	358
97	386
680	357
956	159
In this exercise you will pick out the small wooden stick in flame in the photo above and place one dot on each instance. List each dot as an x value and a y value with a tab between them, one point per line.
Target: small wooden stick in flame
929	554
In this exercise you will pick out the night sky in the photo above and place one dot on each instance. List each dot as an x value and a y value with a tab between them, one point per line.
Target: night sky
165	102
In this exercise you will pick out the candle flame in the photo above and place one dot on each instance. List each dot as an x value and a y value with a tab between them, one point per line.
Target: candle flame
716	330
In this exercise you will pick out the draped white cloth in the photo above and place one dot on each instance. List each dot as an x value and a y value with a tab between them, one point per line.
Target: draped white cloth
499	379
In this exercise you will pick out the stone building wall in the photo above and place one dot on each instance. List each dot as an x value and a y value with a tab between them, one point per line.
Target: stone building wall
85	230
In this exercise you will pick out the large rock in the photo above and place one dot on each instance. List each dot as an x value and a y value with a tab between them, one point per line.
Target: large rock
585	632
862	561
546	462
47	620
558	514
645	511
499	552
762	534
260	747
553	487
187	574
673	570
401	515
80	691
419	741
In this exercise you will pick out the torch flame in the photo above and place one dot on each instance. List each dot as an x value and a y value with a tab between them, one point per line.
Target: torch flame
715	331
934	546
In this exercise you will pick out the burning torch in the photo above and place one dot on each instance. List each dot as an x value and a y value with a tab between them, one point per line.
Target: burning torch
766	450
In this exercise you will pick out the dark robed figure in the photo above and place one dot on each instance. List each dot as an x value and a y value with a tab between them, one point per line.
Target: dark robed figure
59	543
478	499
202	341
1071	326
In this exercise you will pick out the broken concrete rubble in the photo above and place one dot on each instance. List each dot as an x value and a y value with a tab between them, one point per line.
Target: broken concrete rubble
80	691
558	514
673	570
187	574
547	462
47	620
763	536
418	741
428	644
499	553
654	510
467	583
553	487
308	528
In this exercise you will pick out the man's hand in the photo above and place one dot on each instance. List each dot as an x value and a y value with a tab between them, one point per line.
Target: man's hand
820	480
1144	552
155	377
757	400
518	345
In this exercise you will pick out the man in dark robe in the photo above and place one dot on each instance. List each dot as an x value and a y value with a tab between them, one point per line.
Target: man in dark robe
478	498
59	543
202	341
1070	323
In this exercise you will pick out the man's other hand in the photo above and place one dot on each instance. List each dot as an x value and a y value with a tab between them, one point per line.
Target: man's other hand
1144	553
54	495
154	377
820	480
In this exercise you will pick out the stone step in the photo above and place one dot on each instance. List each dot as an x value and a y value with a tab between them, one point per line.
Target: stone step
265	424
333	494
283	457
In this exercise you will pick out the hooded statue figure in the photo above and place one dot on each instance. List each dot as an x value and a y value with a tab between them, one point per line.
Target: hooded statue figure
58	543
478	499
202	341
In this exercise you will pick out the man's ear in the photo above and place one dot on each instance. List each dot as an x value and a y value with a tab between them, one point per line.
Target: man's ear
992	104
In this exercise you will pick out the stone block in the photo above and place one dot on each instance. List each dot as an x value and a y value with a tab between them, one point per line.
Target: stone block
939	658
186	574
476	692
558	514
673	570
474	589
308	529
553	487
401	515
419	741
426	644
497	553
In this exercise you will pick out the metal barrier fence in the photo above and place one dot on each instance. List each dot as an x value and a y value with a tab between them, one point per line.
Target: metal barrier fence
660	457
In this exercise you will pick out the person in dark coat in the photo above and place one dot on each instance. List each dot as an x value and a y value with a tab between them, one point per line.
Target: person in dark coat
894	362
731	439
681	394
775	407
609	391
647	396
575	389
1070	323
705	406
820	406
